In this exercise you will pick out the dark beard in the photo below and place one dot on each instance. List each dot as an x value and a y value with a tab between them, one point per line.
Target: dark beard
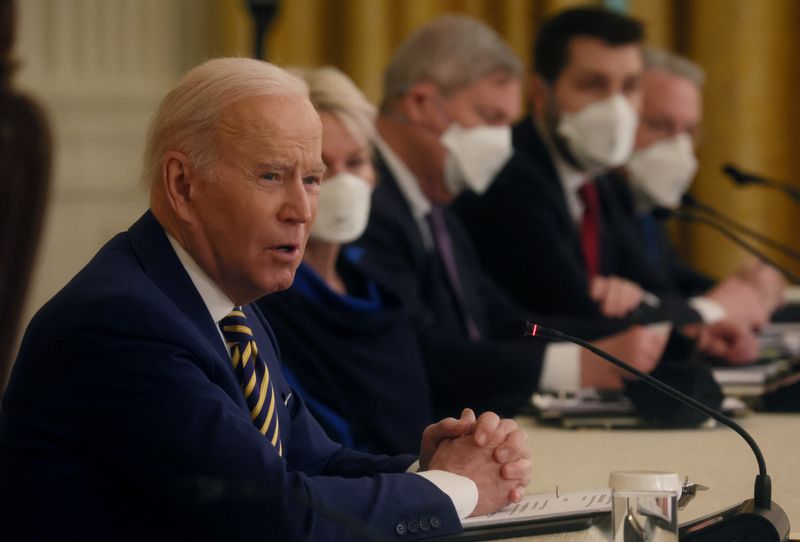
551	117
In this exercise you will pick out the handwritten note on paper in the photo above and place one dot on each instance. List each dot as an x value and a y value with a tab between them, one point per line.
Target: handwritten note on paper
547	506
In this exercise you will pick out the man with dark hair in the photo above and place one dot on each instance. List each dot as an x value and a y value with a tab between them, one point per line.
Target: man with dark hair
585	95
551	53
561	219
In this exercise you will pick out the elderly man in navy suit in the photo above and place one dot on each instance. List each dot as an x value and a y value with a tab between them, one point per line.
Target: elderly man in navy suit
147	400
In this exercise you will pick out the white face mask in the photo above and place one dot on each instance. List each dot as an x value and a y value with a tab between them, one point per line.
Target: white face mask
474	156
662	172
343	209
602	134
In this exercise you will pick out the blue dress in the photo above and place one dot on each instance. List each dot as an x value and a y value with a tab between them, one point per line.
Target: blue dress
354	358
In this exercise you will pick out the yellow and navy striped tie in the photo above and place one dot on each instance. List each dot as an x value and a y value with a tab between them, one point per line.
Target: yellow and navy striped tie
253	375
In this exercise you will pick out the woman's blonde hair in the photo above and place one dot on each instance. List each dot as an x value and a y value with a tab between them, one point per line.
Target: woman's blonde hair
331	91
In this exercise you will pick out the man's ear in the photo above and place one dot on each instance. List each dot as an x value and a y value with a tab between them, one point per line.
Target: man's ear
418	104
538	91
178	183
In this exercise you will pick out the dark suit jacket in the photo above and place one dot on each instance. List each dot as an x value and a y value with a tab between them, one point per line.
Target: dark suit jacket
499	372
662	262
527	241
124	420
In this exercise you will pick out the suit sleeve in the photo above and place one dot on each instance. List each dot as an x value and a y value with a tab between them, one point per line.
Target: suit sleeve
149	408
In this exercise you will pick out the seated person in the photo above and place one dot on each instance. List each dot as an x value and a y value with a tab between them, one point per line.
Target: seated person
346	340
147	400
547	229
658	174
451	91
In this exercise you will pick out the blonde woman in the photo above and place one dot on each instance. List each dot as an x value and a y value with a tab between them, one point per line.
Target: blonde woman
344	340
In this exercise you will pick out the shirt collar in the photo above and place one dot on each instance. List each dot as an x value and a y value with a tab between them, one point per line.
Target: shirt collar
407	182
217	303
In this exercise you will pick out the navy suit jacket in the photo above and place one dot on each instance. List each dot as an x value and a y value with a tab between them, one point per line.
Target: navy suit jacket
124	420
527	241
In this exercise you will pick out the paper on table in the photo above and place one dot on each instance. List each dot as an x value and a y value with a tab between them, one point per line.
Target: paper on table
547	506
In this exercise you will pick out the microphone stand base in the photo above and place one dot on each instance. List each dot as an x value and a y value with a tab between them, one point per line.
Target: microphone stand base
740	523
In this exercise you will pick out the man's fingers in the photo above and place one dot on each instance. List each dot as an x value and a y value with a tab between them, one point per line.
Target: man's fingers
454	427
514	447
468	415
504	428
487	424
598	288
516	495
518	470
622	297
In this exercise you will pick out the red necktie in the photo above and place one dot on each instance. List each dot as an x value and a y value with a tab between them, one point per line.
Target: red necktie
590	227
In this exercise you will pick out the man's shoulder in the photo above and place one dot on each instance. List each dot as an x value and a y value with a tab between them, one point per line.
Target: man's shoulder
118	291
111	288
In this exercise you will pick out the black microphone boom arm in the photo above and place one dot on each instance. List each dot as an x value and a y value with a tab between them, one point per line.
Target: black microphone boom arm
742	178
691	217
757	519
690	201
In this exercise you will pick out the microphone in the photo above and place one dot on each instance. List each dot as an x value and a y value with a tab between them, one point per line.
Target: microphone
689	200
662	213
754	519
741	178
263	13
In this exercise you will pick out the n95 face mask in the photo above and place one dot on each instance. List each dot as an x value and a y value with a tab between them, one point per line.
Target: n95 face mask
474	156
663	171
343	208
602	134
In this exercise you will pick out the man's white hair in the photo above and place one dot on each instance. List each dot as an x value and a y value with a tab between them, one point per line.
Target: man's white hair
452	51
331	91
187	119
660	59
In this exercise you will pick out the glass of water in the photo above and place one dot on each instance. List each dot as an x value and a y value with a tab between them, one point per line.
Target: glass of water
644	506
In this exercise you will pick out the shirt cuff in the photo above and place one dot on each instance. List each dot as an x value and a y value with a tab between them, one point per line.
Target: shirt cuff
461	490
561	369
709	310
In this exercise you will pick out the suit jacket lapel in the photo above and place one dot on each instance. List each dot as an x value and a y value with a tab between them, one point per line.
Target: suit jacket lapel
528	141
162	265
389	194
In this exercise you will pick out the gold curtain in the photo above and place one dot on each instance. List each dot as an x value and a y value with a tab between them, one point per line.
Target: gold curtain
749	51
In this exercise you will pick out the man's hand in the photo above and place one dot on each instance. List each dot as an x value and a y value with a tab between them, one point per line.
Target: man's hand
492	452
732	341
616	296
448	428
741	301
637	346
767	281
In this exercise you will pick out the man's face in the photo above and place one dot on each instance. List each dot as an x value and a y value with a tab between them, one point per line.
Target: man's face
251	216
493	100
595	71
672	106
